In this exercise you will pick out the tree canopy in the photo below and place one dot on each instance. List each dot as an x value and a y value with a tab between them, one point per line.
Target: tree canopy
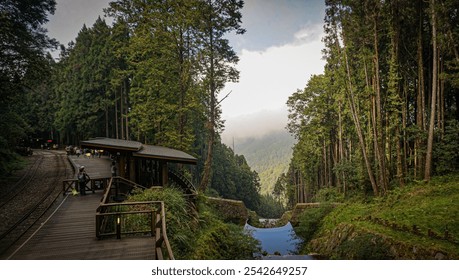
23	61
387	104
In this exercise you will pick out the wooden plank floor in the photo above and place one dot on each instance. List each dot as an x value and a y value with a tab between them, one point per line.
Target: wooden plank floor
70	235
95	167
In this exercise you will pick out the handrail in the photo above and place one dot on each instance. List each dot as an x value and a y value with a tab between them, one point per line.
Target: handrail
111	215
159	254
182	181
69	184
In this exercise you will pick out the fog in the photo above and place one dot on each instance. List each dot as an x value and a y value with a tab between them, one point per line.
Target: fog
254	125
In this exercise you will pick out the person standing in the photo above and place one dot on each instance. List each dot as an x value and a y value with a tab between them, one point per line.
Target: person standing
83	179
113	168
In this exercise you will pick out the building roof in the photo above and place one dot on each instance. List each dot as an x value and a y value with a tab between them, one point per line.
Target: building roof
158	152
140	150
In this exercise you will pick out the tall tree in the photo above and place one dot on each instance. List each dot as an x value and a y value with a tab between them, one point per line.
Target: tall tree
83	83
387	85
218	17
433	102
232	177
23	44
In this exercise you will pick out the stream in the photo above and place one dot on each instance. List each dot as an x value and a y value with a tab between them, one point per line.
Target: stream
277	243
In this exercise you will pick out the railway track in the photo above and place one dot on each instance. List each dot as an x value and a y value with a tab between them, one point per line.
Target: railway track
32	196
16	188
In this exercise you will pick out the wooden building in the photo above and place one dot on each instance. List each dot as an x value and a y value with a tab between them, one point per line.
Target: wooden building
146	165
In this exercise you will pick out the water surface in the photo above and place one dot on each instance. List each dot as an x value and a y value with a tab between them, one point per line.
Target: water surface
281	241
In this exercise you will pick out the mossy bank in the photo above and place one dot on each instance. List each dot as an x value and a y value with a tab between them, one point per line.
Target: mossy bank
418	221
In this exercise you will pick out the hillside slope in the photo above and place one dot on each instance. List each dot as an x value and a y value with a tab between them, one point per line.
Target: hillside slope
418	221
268	155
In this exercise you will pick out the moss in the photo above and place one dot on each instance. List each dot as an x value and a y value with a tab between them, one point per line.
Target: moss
365	246
233	211
407	223
221	241
309	221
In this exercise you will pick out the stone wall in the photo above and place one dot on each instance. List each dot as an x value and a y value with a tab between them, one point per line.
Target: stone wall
230	210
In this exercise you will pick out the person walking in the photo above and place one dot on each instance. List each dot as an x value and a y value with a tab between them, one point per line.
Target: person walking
83	179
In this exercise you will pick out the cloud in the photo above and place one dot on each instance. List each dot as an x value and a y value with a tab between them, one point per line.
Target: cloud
309	33
254	125
269	77
273	22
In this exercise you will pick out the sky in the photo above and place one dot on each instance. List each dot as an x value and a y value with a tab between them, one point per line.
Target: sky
279	52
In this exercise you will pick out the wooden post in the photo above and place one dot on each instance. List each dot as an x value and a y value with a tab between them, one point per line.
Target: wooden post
132	169
121	164
98	226
118	226
164	173
152	226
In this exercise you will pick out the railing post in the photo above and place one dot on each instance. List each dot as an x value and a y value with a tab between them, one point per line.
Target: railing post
118	226
152	226
97	226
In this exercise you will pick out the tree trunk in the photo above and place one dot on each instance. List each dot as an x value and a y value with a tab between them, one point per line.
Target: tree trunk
355	117
106	122
433	104
420	106
126	103
340	144
211	124
378	131
116	117
122	110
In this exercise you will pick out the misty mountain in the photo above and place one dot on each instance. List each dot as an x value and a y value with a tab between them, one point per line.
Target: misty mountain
269	155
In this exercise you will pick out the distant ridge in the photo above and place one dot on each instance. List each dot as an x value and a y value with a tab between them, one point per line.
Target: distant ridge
269	155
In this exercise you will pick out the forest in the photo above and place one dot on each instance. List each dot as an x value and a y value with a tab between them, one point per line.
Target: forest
385	111
154	75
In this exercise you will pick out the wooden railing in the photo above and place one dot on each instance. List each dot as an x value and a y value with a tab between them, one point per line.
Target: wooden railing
92	185
161	236
115	217
179	179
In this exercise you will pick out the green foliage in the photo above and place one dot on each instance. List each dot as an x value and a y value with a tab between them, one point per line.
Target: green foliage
268	155
232	177
430	205
362	125
197	235
220	241
9	161
179	216
310	221
23	44
446	152
270	208
83	84
329	195
364	247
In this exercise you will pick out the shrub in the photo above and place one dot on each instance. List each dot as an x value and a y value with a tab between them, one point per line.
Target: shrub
329	195
179	217
310	221
221	241
364	247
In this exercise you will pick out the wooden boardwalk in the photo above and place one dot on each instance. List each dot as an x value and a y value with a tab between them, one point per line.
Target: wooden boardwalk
69	232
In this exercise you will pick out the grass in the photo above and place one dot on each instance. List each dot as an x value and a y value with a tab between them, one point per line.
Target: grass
199	233
430	206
